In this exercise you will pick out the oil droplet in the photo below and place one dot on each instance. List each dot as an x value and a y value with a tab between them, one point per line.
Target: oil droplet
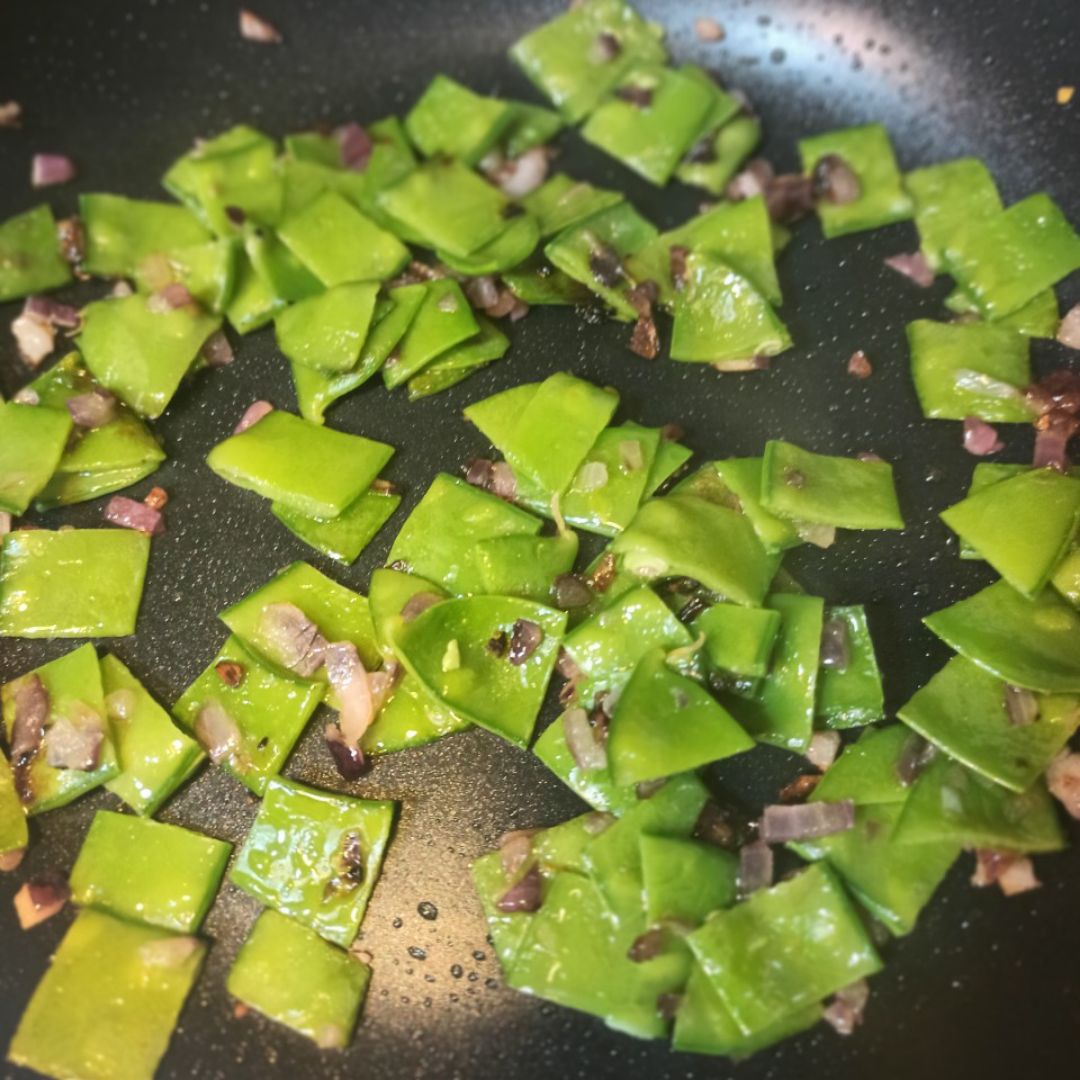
457	971
397	924
417	953
491	984
478	955
427	910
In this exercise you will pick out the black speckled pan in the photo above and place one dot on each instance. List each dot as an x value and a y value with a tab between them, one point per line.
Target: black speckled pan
985	988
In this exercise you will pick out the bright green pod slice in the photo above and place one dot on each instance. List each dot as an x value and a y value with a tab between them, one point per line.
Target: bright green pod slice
1038	318
443	320
460	361
254	302
327	332
525	566
209	271
562	201
32	442
850	695
983	475
286	277
739	640
685	880
529	126
14	833
342	538
389	592
509	249
720	158
450	120
30	259
412	717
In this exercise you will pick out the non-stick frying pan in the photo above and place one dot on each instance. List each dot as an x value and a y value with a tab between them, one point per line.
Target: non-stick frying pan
985	987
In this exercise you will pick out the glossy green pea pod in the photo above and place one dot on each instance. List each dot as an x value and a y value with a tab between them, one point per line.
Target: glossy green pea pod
32	441
732	143
505	929
497	416
866	772
253	303
450	120
509	249
983	475
412	717
739	640
539	284
460	361
327	332
388	593
14	833
529	126
342	538
525	566
30	259
443	320
685	880
66	488
283	274
562	201
851	696
1038	318
208	271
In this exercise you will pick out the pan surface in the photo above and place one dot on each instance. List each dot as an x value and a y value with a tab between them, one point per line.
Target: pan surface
985	987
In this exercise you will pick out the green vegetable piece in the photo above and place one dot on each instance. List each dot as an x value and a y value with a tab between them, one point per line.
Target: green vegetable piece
651	120
439	538
148	872
784	949
328	331
783	714
684	879
73	583
289	974
739	640
510	248
561	202
983	475
670	458
1030	643
497	416
156	757
315	857
452	121
866	772
1038	318
721	317
851	696
869	154
254	302
952	804
1003	262
828	490
209	271
32	442
311	469
460	361
964	710
969	369
731	145
389	592
539	284
412	717
121	233
448	205
571	58
686	536
525	566
315	147
1066	578
30	259
344	537
529	126
282	272
338	243
73	684
120	989
14	833
447	647
444	319
506	929
1022	526
64	489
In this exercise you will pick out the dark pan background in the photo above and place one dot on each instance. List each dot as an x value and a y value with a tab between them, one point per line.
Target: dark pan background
985	987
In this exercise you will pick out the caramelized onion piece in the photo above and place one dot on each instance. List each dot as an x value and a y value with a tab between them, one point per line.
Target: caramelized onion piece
980	438
914	267
755	868
255	28
37	901
524	895
294	639
131	514
1063	780
845	1012
806	821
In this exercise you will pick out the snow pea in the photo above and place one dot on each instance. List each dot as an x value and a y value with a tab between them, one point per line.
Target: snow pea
209	272
412	717
344	537
286	277
1033	643
567	58
443	320
983	475
866	771
509	249
156	757
327	332
684	879
450	120
1022	526
720	316
529	126
448	649
506	930
969	369
732	143
253	303
30	259
14	834
314	147
686	536
784	949
539	284
391	160
651	119
851	696
71	583
1066	579
65	488
497	416
525	566
32	442
289	974
561	202
148	872
73	683
783	714
845	492
119	1000
460	361
868	151
1038	318
315	856
1004	261
388	593
665	723
739	640
438	539
311	469
724	106
670	457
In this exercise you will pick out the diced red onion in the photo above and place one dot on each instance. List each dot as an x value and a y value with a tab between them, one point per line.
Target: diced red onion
1021	706
49	169
525	639
63	316
1063	780
524	895
252	415
294	640
571	592
349	679
708	29
588	752
835	645
5	522
749	363
835	181
567	667
806	821
170	297
217	732
482	291
503	482
646	946
217	350
168	952
789	197
75	746
521	176
355	146
606	47
417	604
823	748
914	267
94	409
980	438
349	759
32	707
1052	435
755	868
845	1012
916	754
1069	329
10	114
11	860
1018	877
519	310
71	238
37	901
515	849
132	514
859	365
1011	872
382	683
35	338
255	28
752	181
27	396
502	306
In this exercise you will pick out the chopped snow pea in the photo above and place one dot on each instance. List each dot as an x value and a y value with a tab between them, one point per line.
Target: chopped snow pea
869	154
1033	643
866	772
665	723
14	833
1022	526
1066	579
73	685
579	56
530	125
30	259
148	872
965	711
450	120
784	949
497	416
412	717
305	180
671	456
289	974
32	442
121	233
970	369
156	757
254	302
389	591
140	353
1005	261
715	164
651	119
338	243
525	566
1038	318
720	316
983	475
443	320
685	880
686	536
460	361
562	201
739	640
311	469
119	988
315	856
267	714
505	929
851	695
282	272
65	488
344	537
451	650
509	249
314	147
71	583
209	272
539	284
845	492
783	714
327	332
